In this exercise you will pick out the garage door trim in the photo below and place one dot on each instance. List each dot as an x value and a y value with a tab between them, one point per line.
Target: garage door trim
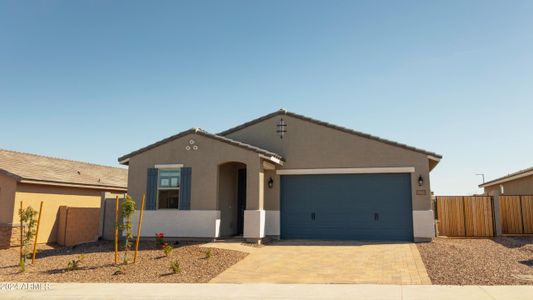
384	170
408	216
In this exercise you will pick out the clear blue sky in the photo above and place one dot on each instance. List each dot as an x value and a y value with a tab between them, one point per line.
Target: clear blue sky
93	80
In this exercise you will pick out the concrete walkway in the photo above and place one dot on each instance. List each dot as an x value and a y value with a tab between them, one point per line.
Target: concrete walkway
326	262
267	291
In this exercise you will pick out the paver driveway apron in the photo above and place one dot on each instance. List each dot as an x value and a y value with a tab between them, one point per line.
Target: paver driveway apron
326	262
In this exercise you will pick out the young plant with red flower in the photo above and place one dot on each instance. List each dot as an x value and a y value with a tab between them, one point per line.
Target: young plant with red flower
159	239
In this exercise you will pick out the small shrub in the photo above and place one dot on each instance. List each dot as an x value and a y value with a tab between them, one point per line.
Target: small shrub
119	270
167	249
128	209
159	240
27	226
75	263
175	267
208	254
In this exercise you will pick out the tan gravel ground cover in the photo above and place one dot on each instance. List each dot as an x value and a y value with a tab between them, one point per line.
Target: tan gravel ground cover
98	264
496	261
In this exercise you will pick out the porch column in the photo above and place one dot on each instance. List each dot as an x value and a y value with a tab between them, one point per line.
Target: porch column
254	215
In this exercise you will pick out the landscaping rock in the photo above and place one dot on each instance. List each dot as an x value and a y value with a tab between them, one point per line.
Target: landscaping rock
98	264
495	261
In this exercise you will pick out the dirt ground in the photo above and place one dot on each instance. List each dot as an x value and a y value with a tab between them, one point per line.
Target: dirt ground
495	261
98	264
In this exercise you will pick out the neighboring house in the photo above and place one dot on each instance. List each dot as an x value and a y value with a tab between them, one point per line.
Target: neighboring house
518	183
283	175
57	182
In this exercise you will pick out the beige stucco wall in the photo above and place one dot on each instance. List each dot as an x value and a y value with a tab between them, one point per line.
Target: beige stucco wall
521	186
309	145
272	194
204	163
8	187
53	197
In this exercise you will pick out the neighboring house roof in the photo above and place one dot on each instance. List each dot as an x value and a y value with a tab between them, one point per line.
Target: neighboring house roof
509	177
432	155
38	169
124	159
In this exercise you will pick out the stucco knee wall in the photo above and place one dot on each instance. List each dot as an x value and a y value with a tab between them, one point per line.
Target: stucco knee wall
423	225
179	223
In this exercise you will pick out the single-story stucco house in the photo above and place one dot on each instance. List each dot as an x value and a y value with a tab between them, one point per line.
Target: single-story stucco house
517	183
57	182
286	176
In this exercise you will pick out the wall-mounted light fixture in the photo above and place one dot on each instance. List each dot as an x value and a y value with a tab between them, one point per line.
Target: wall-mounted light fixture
270	183
420	180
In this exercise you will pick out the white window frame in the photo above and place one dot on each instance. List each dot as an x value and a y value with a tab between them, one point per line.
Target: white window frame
159	188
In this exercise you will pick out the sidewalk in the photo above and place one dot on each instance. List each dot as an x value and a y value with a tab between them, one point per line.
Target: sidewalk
265	291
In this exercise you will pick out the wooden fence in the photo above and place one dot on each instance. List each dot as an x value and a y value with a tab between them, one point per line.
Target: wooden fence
516	214
460	216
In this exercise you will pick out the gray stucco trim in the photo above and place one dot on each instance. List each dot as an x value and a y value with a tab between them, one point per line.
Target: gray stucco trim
326	124
123	159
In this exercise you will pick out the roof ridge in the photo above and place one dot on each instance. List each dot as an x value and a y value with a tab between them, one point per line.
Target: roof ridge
62	159
200	131
327	124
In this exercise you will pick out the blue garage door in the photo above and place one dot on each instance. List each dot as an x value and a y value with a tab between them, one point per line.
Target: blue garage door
347	207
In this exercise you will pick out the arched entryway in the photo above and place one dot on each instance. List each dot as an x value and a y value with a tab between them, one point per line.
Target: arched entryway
231	197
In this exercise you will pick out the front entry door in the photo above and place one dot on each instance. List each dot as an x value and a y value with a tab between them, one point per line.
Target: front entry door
241	200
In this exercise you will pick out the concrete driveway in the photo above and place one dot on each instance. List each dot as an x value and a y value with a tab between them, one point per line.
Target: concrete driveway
326	262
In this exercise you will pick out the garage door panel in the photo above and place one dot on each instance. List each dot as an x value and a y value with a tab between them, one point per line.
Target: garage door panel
348	206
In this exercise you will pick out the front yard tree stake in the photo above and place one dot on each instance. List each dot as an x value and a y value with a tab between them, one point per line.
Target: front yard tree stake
27	219
37	233
21	234
116	230
128	209
139	230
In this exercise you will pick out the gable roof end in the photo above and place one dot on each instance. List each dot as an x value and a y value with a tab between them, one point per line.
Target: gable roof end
509	177
39	169
431	155
125	158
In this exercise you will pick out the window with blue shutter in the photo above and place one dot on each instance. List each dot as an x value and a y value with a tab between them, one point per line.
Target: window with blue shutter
168	188
151	189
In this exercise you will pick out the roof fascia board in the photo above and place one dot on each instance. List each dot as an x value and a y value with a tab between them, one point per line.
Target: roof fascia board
9	174
64	184
503	180
272	159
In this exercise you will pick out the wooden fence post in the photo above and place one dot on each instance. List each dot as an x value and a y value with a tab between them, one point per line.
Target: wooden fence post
522	214
464	214
116	230
21	233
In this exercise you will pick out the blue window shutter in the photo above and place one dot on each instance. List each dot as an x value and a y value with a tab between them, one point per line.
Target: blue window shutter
151	189
185	189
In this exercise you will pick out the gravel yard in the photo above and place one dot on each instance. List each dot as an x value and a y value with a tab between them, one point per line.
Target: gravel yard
496	261
98	264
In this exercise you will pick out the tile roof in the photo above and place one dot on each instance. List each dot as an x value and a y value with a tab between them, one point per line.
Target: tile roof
509	177
340	128
123	159
32	167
